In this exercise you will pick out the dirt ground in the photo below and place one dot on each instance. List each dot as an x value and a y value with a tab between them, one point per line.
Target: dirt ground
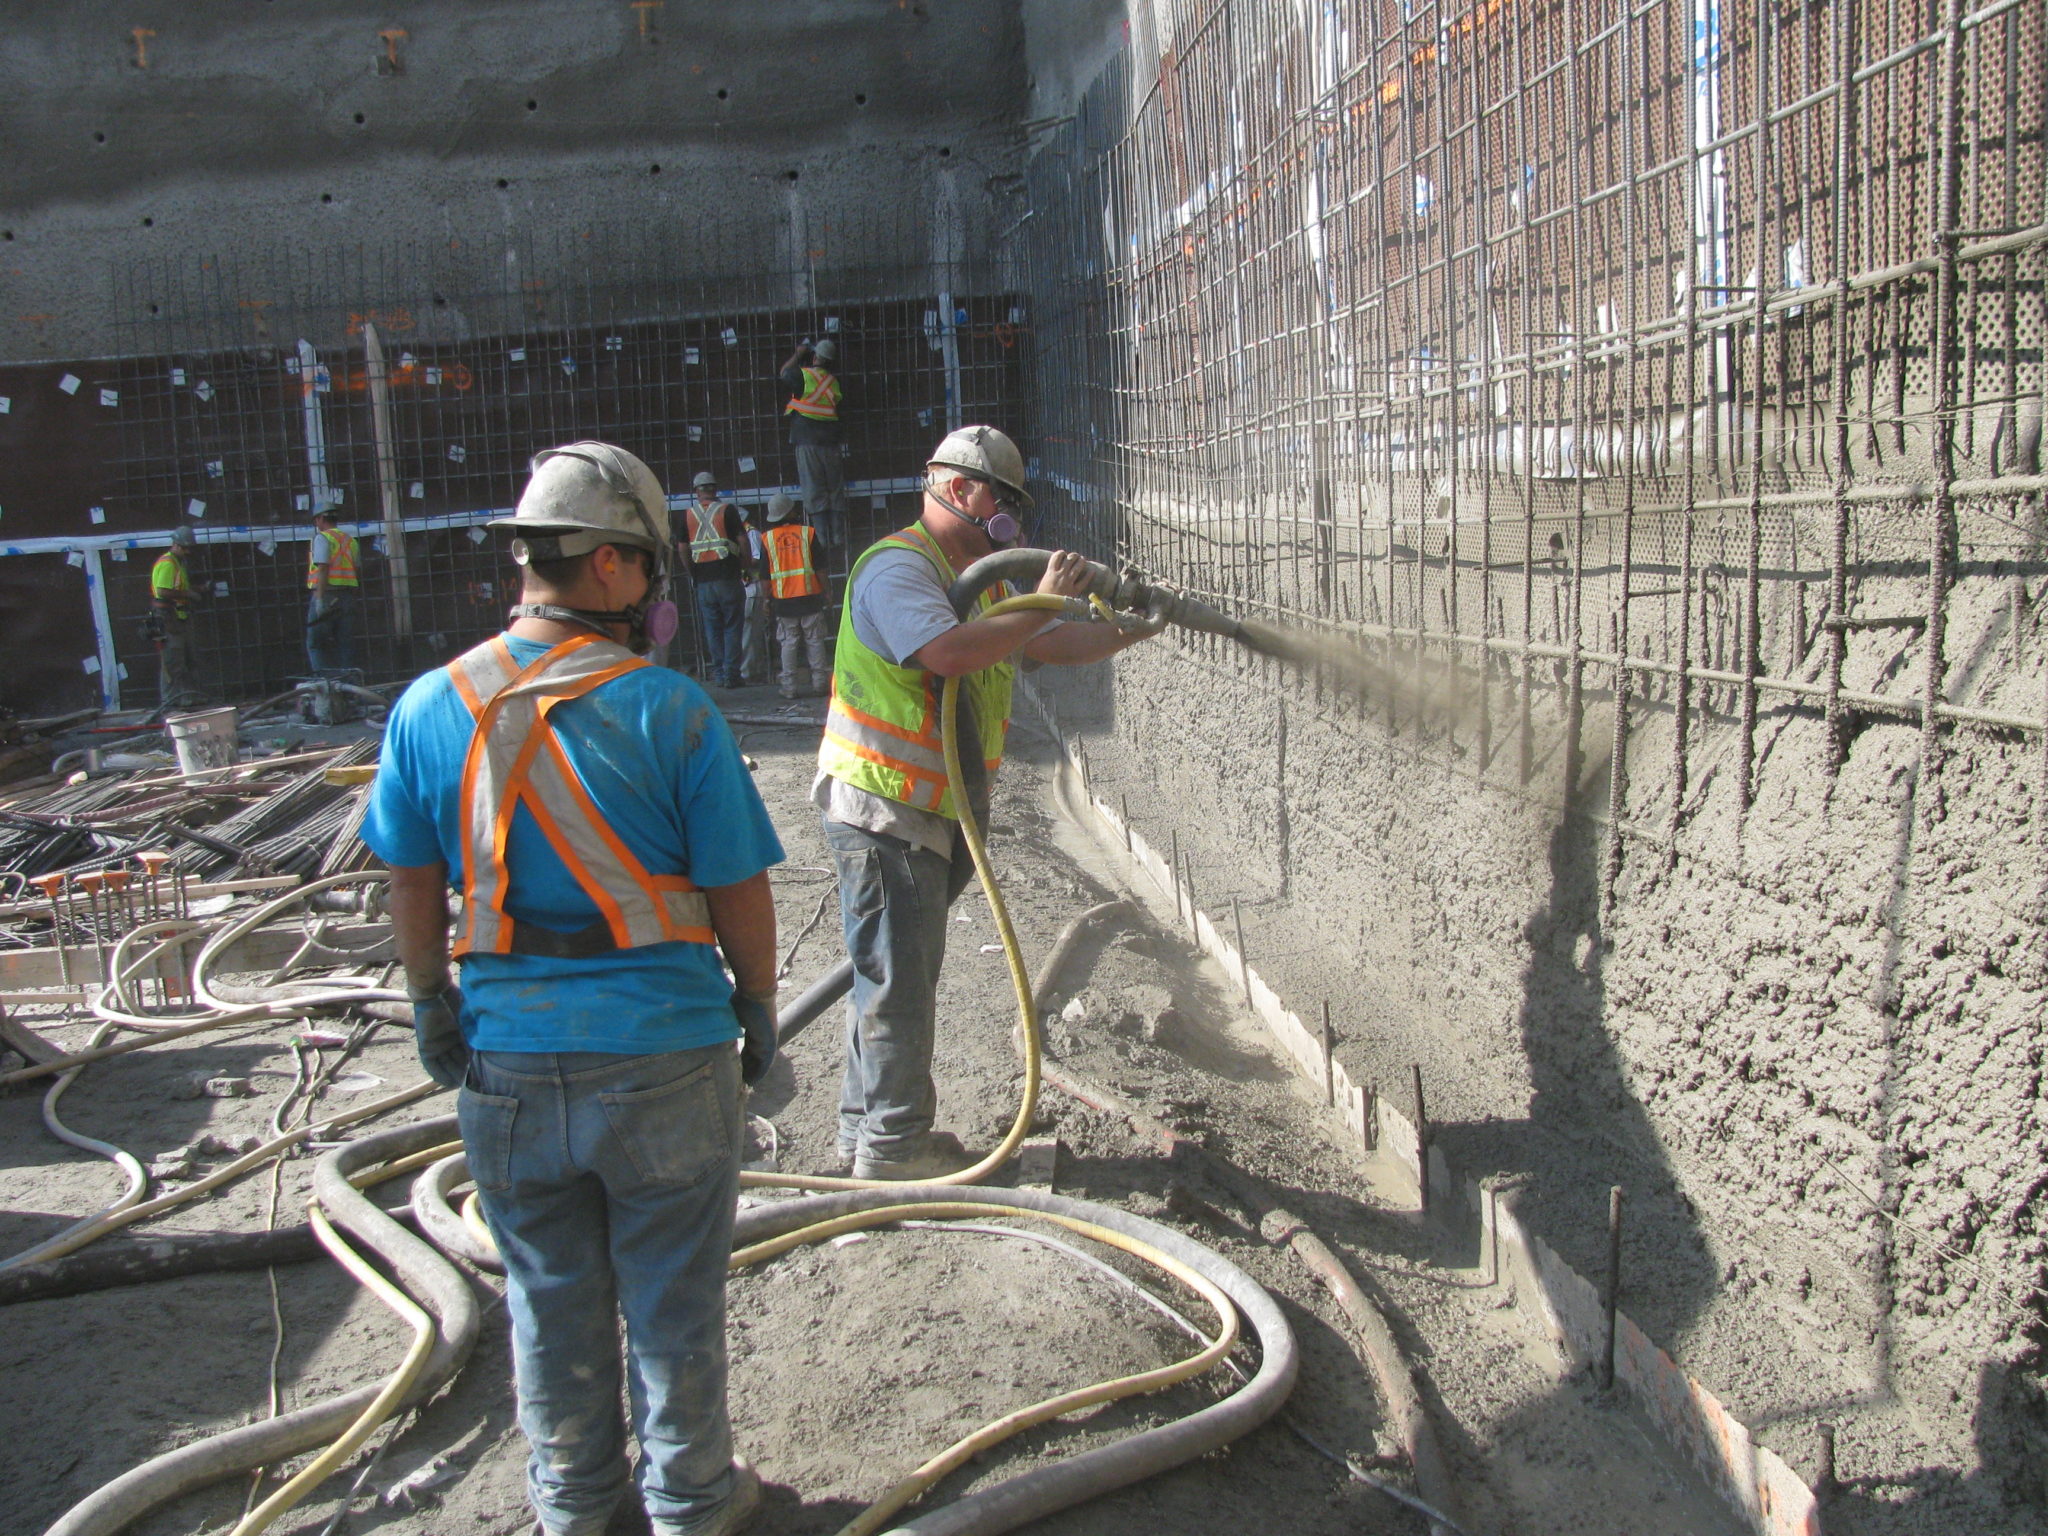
853	1362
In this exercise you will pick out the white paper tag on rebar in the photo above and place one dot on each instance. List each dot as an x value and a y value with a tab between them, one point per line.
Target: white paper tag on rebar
477	533
220	589
303	502
96	514
569	366
203	390
615	343
69	384
118	552
696	434
336	495
216	468
74	557
110	397
730	336
1016	315
6	405
406	360
323	380
417	490
177	378
291	365
91	664
517	354
924	417
832	325
457	453
746	466
691	355
879	501
121	670
268	546
195	508
433	375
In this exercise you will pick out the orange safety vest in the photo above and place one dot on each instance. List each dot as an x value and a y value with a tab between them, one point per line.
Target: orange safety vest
341	560
707	543
514	756
791	572
820	399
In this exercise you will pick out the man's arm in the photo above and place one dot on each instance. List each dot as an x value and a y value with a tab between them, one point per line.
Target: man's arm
419	924
981	643
320	564
1074	645
743	917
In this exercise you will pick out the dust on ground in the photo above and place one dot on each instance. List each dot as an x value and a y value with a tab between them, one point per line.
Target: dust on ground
854	1362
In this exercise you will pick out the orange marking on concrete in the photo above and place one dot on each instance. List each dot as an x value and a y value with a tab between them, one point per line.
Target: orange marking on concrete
142	35
641	9
391	37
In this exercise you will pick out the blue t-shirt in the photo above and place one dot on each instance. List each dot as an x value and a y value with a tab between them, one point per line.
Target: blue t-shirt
659	762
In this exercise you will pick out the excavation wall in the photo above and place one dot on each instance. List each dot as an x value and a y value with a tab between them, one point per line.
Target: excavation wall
1642	427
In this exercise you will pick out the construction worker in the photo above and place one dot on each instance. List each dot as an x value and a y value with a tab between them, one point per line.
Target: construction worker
170	610
816	399
718	565
760	622
797	594
881	786
333	580
609	879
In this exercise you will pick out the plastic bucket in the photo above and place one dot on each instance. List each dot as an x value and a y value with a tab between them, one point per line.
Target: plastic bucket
203	739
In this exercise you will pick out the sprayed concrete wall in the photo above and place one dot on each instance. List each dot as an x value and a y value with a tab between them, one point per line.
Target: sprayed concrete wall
842	132
1609	795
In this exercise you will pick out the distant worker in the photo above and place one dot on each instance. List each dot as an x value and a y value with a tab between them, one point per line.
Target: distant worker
889	815
798	595
603	879
718	563
171	596
816	432
760	621
333	580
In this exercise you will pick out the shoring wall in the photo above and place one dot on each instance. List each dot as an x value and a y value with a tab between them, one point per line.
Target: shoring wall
1646	402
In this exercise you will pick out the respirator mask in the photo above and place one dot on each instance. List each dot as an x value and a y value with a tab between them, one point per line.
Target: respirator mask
650	623
1003	528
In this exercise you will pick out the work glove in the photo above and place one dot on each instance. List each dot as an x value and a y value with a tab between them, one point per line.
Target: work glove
757	1049
437	1031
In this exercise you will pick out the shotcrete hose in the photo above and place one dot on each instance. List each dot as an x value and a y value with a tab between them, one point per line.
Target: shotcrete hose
85	1229
423	1271
1033	1495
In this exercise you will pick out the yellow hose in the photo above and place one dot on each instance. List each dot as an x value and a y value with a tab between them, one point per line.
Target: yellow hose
380	1407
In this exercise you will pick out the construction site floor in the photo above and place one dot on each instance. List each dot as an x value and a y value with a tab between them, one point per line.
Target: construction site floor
852	1363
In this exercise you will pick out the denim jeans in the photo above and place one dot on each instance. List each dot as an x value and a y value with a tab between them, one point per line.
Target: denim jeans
330	638
722	605
609	1183
893	898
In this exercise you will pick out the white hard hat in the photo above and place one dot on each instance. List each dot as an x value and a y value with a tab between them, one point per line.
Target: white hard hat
184	537
780	508
826	351
986	454
705	477
586	494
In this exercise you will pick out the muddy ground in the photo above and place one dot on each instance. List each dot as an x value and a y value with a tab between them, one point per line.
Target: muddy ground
853	1362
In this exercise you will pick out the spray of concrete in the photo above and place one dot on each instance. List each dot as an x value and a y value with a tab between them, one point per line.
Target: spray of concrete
1391	673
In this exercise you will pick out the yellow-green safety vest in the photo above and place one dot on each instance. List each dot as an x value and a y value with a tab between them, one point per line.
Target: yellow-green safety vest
882	730
169	584
341	559
820	399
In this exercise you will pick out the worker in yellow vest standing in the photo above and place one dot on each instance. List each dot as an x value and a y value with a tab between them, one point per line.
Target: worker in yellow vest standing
332	582
881	786
797	595
170	608
817	431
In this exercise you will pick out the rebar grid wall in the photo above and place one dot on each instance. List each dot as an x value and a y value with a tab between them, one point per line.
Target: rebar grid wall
249	393
1658	388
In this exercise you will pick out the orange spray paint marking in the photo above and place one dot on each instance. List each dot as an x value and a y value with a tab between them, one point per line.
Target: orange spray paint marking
391	37
142	35
641	9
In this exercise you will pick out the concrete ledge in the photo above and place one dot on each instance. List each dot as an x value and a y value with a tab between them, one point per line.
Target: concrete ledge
1561	1304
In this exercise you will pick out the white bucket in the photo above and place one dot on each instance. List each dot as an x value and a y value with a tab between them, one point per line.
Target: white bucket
203	739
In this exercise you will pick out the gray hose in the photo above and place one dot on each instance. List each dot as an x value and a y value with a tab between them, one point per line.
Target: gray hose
813	1000
429	1276
438	1218
1033	1495
1023	569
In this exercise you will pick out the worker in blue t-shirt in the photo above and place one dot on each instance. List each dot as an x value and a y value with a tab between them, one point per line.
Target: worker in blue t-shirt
612	853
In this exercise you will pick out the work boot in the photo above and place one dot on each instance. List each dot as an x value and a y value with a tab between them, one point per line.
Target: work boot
735	1514
940	1155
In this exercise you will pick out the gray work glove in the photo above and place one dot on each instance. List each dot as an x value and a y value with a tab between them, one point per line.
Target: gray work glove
437	1031
757	1049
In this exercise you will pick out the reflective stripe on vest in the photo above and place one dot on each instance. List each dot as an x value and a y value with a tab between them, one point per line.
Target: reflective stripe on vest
341	559
882	730
791	572
168	581
514	756
820	399
706	542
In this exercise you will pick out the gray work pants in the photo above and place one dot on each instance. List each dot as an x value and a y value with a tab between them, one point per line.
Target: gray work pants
809	630
822	473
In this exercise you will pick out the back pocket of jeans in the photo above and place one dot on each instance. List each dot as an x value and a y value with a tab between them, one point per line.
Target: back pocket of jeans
675	1133
486	1123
